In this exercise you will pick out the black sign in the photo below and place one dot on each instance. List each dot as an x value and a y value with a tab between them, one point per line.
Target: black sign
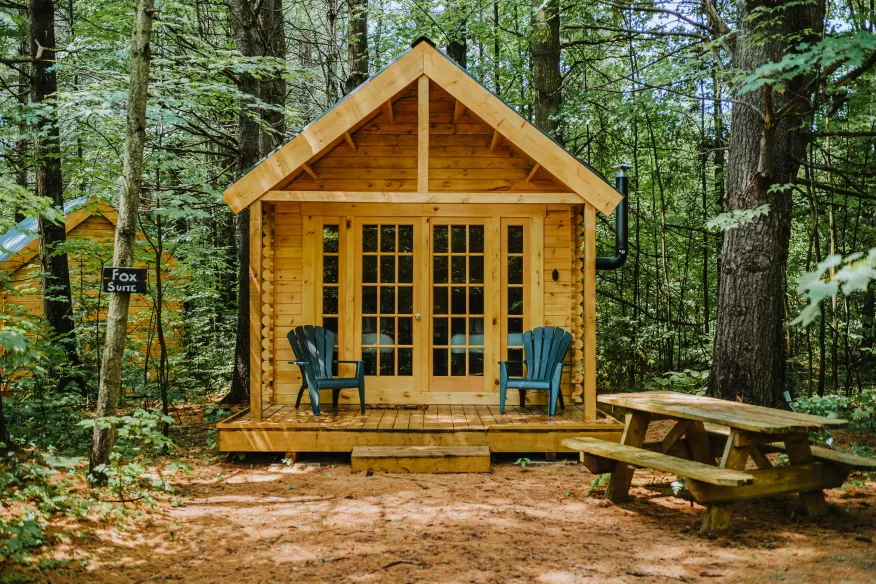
124	280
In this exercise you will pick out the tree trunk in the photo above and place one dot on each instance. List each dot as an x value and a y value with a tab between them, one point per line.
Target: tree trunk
244	18
273	90
547	80
125	236
749	357
457	33
54	269
357	45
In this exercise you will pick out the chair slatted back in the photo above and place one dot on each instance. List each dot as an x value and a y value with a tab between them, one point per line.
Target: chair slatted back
544	347
318	344
296	346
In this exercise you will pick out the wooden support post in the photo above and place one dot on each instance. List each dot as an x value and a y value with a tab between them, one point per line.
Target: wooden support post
698	442
634	435
255	310
387	109
291	457
458	110
799	452
494	142
673	436
423	134
589	307
717	515
309	170
532	172
349	140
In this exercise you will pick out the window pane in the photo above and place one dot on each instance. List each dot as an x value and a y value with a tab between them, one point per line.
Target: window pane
369	356
439	331
369	330
405	300
476	270
369	269
515	369
457	363
387	330
515	270
439	239
405	331
330	269
406	238
457	331
439	362
439	269
457	238
387	361
406	362
369	238
457	269
387	300
330	300
476	362
330	239
387	269
387	238
476	300
369	299
515	300
331	323
439	299
406	269
515	326
458	301
476	331
515	239
476	238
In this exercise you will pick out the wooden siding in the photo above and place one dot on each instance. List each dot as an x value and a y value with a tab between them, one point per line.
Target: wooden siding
288	306
94	237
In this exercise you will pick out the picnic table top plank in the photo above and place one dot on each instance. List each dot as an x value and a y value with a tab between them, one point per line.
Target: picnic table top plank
737	415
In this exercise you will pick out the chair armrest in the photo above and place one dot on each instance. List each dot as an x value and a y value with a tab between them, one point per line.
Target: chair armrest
524	362
348	361
297	363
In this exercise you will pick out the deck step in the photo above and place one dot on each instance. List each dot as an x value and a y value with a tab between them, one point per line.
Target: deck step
421	459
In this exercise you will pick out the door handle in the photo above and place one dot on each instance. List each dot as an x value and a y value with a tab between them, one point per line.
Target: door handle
417	316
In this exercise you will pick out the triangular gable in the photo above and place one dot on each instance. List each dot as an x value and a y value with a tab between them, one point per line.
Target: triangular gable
27	244
423	59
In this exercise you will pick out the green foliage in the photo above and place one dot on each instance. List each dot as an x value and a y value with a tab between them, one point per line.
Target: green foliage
860	410
855	273
736	218
688	381
522	462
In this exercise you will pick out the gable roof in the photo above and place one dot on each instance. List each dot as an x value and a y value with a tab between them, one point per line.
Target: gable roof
421	59
24	235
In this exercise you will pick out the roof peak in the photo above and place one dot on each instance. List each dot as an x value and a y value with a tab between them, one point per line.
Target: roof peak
424	39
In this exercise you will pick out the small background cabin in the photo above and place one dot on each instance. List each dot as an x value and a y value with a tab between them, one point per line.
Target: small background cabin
90	227
428	225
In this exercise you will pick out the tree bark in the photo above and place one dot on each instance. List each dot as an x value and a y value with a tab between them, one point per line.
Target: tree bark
244	17
547	80
749	356
457	33
54	269
273	90
357	45
125	236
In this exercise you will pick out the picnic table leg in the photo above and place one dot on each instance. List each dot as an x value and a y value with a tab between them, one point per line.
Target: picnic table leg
799	452
634	435
718	514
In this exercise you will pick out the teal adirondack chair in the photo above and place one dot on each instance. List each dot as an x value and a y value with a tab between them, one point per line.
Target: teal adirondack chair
314	348
544	349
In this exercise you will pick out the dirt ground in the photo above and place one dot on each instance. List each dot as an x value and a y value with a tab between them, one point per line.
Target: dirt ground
260	521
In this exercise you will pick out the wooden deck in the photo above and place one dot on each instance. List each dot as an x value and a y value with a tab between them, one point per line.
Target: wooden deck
521	429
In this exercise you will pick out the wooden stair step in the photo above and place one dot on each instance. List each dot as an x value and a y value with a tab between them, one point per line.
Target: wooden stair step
662	462
421	459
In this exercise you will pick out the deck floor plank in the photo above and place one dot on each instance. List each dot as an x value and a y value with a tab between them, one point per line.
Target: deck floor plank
388	420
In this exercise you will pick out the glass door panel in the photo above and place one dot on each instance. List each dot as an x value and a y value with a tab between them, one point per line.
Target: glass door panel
386	309
458	296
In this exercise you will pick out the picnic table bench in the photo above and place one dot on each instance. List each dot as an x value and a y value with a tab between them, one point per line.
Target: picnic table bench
710	445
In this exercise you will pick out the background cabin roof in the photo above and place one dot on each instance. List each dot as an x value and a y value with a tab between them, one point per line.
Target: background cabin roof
421	59
26	231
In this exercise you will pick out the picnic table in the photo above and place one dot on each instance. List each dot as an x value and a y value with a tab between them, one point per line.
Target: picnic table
710	445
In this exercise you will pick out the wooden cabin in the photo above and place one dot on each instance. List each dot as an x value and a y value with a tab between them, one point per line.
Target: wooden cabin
429	225
90	227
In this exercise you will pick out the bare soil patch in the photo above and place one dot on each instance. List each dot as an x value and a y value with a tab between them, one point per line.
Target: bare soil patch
260	521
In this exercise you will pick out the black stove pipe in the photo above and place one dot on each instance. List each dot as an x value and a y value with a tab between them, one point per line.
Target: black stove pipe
621	216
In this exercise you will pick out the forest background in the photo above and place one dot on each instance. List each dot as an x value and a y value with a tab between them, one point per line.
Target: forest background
750	129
